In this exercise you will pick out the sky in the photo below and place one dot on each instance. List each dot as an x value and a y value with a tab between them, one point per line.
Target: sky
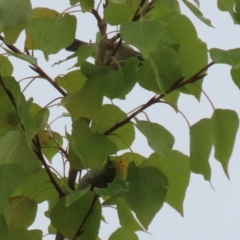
208	214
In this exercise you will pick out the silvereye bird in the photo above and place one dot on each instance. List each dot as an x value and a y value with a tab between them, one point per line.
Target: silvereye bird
124	52
98	177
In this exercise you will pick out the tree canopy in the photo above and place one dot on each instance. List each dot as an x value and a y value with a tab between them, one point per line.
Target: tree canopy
147	44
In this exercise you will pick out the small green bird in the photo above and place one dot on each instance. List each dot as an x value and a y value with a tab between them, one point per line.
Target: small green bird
98	177
124	52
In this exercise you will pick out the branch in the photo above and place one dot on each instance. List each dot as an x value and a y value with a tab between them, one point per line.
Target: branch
37	149
180	83
36	68
38	152
45	76
80	231
147	9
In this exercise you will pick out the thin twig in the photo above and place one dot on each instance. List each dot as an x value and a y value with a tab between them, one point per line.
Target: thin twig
80	230
180	83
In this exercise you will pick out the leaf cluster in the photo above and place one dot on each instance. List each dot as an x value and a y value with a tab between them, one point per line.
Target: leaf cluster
175	63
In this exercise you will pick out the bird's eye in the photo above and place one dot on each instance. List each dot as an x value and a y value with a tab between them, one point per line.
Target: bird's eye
110	165
140	57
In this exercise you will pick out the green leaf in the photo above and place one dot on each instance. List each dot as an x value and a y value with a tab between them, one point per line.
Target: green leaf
68	219
20	212
225	124
22	106
24	234
124	160
39	13
229	6
37	187
235	73
72	81
179	28
117	84
193	56
123	233
162	8
147	191
107	117
201	142
231	57
50	143
4	233
6	67
14	149
24	57
47	32
33	234
83	52
161	70
75	195
197	13
8	114
142	34
126	217
27	120
116	13
92	148
86	5
11	35
159	138
84	102
14	13
39	115
176	167
91	70
113	188
11	176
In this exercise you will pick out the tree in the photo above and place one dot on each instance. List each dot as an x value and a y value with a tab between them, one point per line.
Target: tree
176	63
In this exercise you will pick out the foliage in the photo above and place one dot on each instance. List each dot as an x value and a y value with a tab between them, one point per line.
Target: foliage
175	63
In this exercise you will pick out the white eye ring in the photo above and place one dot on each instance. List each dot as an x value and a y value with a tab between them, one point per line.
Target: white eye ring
110	165
140	57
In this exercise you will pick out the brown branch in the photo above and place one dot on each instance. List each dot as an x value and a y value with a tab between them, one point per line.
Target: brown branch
180	83
36	68
80	231
137	11
147	9
45	76
96	15
38	151
37	148
11	47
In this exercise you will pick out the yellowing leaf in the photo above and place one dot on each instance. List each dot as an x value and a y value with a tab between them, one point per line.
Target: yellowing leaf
47	32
